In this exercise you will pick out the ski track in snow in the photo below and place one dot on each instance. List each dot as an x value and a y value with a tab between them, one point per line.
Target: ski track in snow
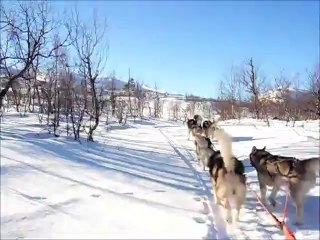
216	228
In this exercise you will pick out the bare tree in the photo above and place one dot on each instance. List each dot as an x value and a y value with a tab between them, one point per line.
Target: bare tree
253	85
35	71
130	86
79	104
267	105
191	99
140	95
227	100
157	103
91	53
185	114
176	110
121	110
313	85
288	98
113	97
282	96
26	31
231	91
67	84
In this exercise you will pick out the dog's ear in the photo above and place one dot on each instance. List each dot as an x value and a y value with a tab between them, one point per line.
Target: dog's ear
254	149
264	148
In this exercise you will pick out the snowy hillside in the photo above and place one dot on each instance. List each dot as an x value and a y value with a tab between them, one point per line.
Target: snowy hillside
137	181
277	95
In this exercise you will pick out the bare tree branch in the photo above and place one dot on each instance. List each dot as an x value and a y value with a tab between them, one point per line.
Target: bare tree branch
26	32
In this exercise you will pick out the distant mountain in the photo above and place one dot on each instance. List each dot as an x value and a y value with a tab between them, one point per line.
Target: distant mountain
12	70
145	87
106	83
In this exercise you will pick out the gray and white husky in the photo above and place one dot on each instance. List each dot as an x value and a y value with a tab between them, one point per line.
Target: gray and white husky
299	174
227	176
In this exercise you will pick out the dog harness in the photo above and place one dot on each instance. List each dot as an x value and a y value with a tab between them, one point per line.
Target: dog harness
291	164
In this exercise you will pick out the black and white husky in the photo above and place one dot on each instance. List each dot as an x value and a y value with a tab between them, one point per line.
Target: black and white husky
196	121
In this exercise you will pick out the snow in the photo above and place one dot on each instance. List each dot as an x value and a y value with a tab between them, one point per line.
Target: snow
139	181
146	87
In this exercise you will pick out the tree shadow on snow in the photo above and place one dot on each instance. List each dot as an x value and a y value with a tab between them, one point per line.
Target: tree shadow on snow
134	164
144	122
241	139
119	127
124	196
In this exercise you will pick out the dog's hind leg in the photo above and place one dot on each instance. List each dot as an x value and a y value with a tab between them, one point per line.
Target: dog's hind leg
228	212
237	210
197	151
263	189
275	190
299	212
203	159
273	195
215	195
298	197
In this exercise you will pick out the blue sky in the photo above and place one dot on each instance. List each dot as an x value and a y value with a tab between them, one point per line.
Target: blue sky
189	46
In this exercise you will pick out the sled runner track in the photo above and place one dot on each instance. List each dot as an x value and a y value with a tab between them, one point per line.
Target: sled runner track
235	233
219	228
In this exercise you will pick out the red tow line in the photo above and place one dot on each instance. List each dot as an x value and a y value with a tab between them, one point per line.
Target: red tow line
281	224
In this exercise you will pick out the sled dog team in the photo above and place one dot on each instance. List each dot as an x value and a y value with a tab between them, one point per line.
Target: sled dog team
228	176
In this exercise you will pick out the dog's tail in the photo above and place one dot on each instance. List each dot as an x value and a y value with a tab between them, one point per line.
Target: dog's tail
312	165
215	123
216	120
225	145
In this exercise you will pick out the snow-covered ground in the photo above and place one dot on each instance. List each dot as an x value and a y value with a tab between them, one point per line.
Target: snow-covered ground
137	182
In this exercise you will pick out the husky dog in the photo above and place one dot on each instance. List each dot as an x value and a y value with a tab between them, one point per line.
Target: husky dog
227	176
198	119
210	128
203	149
191	123
206	125
197	132
272	169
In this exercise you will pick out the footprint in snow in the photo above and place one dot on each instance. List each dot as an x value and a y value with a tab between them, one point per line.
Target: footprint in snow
161	191
205	209
199	220
205	198
197	199
38	198
95	195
